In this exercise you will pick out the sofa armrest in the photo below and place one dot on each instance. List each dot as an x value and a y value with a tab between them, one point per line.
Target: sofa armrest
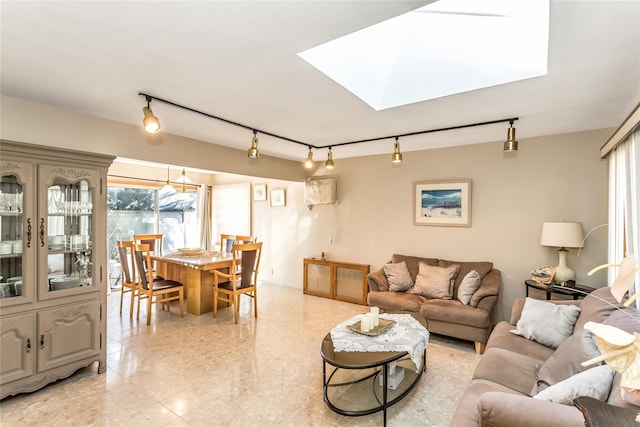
377	281
505	409
489	287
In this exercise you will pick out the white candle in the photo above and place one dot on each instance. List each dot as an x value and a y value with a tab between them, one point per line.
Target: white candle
375	313
364	323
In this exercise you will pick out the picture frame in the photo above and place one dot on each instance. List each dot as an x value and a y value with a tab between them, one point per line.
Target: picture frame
259	192
444	203
278	197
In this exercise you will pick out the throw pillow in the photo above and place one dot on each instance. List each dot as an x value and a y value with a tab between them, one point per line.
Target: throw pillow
594	382
546	323
398	277
566	360
435	282
468	286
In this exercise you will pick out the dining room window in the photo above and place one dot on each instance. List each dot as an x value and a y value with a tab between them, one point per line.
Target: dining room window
135	210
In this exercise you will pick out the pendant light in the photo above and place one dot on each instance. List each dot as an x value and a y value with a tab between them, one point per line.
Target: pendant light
150	122
254	153
183	179
168	187
329	163
397	155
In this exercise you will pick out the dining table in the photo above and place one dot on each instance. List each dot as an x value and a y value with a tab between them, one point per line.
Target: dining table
194	272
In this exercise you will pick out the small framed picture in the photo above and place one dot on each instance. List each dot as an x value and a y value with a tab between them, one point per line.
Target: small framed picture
259	192
278	197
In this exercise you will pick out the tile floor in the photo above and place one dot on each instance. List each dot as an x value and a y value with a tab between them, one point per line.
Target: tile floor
200	371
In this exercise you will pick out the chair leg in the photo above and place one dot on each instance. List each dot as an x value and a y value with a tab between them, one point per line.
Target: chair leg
180	294
149	305
121	298
133	301
236	308
255	303
215	302
138	314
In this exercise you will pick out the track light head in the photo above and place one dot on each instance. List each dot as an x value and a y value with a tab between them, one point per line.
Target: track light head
253	152
396	157
329	163
308	162
150	122
511	144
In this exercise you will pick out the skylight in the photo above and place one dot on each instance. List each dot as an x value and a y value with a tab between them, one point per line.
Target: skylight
444	48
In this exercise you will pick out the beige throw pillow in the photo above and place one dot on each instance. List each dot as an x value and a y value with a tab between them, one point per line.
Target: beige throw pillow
594	382
435	282
468	286
546	323
398	277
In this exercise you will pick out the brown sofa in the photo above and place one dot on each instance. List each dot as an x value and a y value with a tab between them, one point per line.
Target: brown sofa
510	369
443	316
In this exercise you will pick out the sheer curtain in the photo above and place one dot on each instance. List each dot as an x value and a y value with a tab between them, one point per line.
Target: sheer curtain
624	193
204	210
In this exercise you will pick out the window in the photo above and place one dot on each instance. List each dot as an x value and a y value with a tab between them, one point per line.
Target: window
133	211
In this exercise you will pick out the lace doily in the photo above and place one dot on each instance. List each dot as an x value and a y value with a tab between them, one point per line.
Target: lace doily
406	335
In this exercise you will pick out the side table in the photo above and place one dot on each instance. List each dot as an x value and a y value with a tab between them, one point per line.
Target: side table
601	414
577	291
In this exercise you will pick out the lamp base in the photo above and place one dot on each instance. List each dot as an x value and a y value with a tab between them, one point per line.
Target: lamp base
563	272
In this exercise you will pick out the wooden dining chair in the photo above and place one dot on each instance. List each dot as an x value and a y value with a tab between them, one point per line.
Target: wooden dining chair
155	244
242	279
129	280
228	240
156	291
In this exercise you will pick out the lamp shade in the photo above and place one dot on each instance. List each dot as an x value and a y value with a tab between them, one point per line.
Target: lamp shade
562	234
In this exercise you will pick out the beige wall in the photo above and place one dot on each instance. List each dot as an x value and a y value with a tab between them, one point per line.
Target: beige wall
559	177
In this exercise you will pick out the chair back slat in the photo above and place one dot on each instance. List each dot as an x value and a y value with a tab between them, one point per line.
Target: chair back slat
153	240
143	264
247	257
124	253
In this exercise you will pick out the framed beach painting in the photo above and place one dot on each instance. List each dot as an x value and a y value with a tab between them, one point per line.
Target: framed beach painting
442	203
278	197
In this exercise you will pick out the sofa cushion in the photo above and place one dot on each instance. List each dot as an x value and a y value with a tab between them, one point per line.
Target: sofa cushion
468	286
413	262
594	382
546	323
398	277
483	268
434	281
566	360
396	301
511	369
501	337
594	309
453	311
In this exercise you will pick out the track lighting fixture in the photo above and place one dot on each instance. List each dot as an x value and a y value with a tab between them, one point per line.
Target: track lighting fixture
152	125
397	155
254	153
150	122
329	163
511	144
308	162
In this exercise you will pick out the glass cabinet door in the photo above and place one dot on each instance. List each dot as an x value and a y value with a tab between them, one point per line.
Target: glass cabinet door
67	232
16	253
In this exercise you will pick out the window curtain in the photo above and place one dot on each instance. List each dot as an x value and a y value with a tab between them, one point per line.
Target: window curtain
624	193
204	208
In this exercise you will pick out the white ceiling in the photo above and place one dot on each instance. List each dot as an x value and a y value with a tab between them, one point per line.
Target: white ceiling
238	60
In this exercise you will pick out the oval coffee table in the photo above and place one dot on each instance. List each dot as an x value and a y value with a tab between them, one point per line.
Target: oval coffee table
357	385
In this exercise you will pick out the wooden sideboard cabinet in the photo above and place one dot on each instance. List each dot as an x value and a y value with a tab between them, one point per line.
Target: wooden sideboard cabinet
344	281
53	264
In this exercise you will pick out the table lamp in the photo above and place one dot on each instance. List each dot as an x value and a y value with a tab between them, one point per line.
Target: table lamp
561	234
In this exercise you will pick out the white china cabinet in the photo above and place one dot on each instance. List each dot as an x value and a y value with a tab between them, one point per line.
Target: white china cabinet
53	276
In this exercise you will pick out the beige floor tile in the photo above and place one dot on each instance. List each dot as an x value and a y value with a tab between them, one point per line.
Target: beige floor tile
201	371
